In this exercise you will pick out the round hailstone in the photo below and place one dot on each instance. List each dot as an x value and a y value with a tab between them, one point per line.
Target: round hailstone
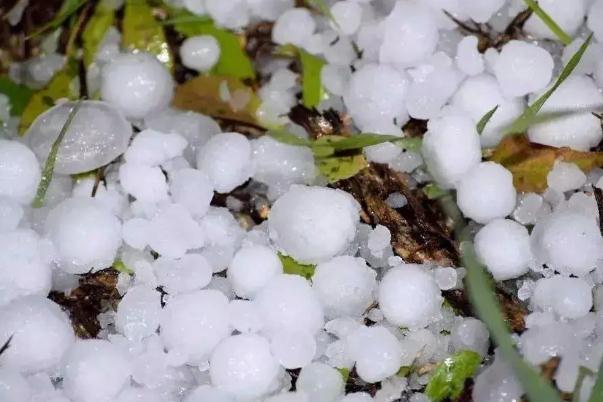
409	297
95	370
486	192
569	297
451	146
85	235
39	332
245	316
503	245
243	366
137	84
468	58
357	397
288	303
24	269
226	158
200	53
344	286
97	135
186	274
192	189
137	394
252	268
289	397
470	334
523	68
294	26
313	224
595	16
320	382
376	351
569	15
206	393
293	349
152	148
568	240
497	383
138	313
173	231
565	177
193	323
231	14
347	15
14	387
19	172
410	35
11	213
571	123
145	183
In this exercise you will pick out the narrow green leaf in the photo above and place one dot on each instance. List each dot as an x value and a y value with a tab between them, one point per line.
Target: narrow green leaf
142	32
68	8
448	379
292	267
323	8
289	139
183	18
95	30
119	266
345	373
18	95
434	192
523	122
549	22
596	394
404	371
355	142
312	89
481	124
340	167
48	171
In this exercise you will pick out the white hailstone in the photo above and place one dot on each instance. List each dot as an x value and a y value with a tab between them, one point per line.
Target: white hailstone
450	148
245	316
497	383
289	397
445	277
565	177
95	370
480	94
357	397
173	231
145	183
19	172
376	95
335	78
530	208
589	61
24	268
14	387
503	246
206	393
200	53
470	334
320	382
523	68
39	332
568	297
569	15
376	351
480	11
186	274
192	189
252	268
468	58
138	313
410	35
137	84
313	224
226	158
294	26
243	366
137	394
135	233
11	213
193	323
293	349
97	135
571	124
231	14
152	148
540	343
486	192
287	302
568	240
85	235
347	15
378	240
269	9
409	297
344	286
594	18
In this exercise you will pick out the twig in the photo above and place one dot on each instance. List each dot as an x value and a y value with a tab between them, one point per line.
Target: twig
599	198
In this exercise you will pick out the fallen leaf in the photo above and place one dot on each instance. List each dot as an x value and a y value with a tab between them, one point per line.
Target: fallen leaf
337	168
292	267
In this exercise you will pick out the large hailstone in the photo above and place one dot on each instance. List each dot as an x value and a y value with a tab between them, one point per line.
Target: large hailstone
376	351
137	84
569	15
98	134
567	297
138	312
313	224
19	172
320	382
14	387
252	268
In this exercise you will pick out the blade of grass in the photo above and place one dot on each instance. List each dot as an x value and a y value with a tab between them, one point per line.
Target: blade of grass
523	122
481	124
549	22
596	395
312	90
289	139
95	30
52	157
68	8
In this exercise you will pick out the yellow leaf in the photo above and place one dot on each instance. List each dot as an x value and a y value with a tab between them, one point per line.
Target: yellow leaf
340	167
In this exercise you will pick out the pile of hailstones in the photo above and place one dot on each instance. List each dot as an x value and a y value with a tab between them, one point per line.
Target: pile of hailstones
233	323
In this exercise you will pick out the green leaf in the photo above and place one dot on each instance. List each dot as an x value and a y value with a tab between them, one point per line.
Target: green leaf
142	32
549	22
596	394
68	8
345	373
434	192
233	60
340	167
523	122
312	89
448	380
355	142
48	171
481	124
292	267
18	95
289	139
485	304
95	30
404	371
119	266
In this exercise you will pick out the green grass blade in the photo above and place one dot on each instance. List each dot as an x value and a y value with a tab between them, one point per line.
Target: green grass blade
549	22
289	139
481	124
523	122
596	395
96	28
18	95
68	8
312	89
48	171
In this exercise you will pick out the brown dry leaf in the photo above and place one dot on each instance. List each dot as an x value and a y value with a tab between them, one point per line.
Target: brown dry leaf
530	163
